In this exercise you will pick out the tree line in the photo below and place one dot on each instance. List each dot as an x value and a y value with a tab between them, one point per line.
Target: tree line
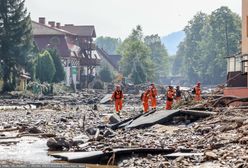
209	40
201	56
144	58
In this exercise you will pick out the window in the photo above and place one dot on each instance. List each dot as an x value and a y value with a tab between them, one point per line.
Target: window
230	64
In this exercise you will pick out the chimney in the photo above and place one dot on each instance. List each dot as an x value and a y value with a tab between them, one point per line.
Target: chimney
51	23
58	25
42	20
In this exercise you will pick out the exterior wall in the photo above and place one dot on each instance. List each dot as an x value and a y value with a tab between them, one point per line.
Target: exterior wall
245	36
236	79
44	41
236	91
245	27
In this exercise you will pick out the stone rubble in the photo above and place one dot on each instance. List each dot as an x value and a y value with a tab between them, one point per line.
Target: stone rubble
79	123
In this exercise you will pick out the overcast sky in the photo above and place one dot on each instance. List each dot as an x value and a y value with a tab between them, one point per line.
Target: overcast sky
116	18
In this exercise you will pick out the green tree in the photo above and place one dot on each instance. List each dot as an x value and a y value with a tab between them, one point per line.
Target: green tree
45	68
193	51
15	40
60	72
105	74
224	41
177	67
136	60
209	39
31	57
159	55
109	44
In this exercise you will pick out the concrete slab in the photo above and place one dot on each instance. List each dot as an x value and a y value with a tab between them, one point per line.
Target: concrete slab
106	99
158	117
102	157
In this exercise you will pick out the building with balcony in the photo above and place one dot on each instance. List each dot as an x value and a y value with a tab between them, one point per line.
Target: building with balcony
75	46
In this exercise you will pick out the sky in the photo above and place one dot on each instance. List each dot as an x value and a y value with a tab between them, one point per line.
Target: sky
116	18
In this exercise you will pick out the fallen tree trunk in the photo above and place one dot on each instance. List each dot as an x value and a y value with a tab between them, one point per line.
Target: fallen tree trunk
223	101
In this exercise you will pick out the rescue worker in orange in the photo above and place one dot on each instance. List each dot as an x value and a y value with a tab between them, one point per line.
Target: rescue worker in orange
145	100
169	98
198	91
178	94
153	96
118	97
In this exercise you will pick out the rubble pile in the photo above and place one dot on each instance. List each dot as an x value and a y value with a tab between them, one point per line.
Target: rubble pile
221	138
76	122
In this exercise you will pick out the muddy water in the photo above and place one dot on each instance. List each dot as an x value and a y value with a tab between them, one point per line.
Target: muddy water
31	150
27	150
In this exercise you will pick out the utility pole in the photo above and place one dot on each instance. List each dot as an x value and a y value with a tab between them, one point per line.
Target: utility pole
226	34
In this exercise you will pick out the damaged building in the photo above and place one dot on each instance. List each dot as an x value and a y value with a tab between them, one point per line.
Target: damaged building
75	46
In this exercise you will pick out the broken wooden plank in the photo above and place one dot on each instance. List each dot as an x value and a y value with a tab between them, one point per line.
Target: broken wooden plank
9	129
198	113
12	137
9	141
97	157
180	154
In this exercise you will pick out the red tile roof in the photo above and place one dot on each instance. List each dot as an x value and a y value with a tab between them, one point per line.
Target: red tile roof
41	29
85	31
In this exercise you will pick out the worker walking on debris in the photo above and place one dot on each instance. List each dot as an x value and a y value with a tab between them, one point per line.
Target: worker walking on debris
169	98
178	94
118	97
145	100
153	96
197	90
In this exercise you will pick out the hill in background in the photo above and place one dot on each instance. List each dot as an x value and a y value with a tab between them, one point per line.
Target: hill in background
171	41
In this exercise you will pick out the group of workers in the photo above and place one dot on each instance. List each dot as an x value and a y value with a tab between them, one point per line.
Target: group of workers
149	97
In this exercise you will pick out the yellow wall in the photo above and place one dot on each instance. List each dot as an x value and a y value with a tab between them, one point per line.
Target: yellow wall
245	27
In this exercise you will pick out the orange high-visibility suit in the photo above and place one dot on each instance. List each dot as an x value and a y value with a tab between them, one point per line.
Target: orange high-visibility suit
145	100
153	94
198	93
117	96
169	99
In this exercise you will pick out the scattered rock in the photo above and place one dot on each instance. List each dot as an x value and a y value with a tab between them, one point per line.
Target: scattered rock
91	131
34	130
211	155
63	120
114	118
108	133
58	144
